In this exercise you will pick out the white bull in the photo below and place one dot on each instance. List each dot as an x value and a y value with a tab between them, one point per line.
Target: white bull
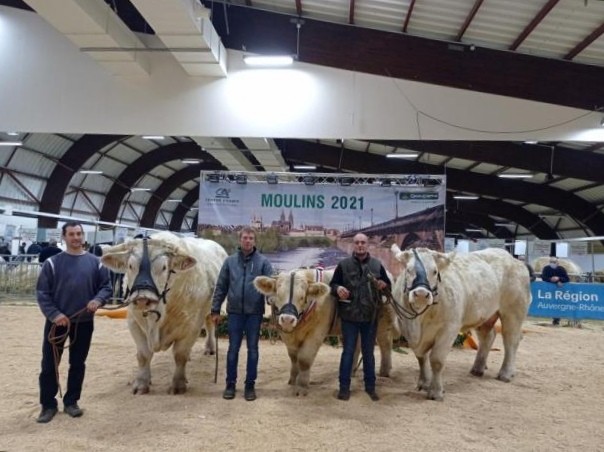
306	314
449	293
170	281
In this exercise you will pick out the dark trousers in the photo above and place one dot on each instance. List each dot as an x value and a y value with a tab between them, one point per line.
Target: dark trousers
80	336
350	334
238	324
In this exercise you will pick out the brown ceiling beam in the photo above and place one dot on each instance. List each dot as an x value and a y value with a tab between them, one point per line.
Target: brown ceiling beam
351	13
299	7
533	24
167	187
586	42
71	162
146	163
408	15
402	56
328	156
567	162
469	18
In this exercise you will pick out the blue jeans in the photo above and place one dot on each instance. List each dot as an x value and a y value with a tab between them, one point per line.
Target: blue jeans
350	334
237	325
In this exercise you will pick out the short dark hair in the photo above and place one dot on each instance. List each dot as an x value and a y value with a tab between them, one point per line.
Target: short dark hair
71	224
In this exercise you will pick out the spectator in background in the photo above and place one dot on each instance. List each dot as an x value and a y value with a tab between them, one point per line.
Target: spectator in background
49	251
33	250
5	252
22	248
555	274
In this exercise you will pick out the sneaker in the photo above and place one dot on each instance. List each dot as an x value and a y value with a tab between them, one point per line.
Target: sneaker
46	415
343	394
229	391
373	395
556	322
249	393
73	410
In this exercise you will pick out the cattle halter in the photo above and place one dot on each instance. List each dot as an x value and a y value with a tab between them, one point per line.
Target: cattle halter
421	278
144	281
290	309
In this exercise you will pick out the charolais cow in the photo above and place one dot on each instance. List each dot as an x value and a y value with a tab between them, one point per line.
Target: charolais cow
306	311
169	284
442	294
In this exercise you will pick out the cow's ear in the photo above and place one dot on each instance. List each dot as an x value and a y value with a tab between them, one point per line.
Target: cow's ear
265	285
443	259
398	254
182	262
118	262
318	290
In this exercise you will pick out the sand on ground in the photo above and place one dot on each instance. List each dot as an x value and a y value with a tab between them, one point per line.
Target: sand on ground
555	402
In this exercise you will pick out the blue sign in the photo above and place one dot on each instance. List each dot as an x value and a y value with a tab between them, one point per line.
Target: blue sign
571	301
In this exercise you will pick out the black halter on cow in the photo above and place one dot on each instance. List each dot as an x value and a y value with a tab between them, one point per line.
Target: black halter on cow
186	269
144	282
473	290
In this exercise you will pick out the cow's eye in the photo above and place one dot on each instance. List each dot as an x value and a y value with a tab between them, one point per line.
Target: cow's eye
164	268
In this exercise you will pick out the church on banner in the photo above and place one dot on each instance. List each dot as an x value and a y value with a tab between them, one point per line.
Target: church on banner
310	219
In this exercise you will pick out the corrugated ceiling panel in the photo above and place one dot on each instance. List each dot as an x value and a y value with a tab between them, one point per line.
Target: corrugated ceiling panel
594	195
125	153
564	27
498	24
386	15
31	163
439	18
328	10
52	145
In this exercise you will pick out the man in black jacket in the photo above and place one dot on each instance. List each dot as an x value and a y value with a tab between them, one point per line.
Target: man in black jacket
356	282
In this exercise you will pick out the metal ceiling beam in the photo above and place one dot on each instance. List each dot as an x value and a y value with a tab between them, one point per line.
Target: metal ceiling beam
581	210
469	18
415	58
167	187
408	16
536	158
533	24
586	42
181	210
71	162
146	163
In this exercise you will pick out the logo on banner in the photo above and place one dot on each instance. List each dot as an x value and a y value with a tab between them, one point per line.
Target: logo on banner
422	196
222	193
222	196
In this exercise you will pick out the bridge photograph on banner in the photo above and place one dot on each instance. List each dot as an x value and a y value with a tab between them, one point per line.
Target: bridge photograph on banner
309	219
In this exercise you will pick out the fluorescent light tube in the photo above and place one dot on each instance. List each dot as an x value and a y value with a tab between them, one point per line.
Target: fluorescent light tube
268	61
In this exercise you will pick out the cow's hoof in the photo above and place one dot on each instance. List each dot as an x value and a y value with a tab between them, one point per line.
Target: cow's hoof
504	378
477	373
438	396
421	386
301	392
209	352
140	390
177	390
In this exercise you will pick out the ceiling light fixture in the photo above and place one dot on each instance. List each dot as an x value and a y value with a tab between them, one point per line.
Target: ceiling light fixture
272	179
140	189
12	134
465	197
154	137
268	61
515	176
89	171
214	177
473	230
173	200
191	161
504	225
241	179
402	155
11	143
305	167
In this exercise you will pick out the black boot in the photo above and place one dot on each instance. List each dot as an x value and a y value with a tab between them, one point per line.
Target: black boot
229	391
249	393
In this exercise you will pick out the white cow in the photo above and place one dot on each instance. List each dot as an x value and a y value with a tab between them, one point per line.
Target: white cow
170	281
443	294
306	314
